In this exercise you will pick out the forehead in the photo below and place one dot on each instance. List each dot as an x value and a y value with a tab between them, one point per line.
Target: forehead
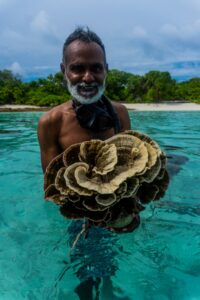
82	52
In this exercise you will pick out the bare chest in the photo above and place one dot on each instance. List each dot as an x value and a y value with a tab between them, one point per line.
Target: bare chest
71	133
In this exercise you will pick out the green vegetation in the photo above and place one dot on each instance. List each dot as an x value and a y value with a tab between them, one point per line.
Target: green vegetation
154	86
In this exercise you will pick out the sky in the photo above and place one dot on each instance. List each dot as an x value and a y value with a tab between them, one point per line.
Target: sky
139	35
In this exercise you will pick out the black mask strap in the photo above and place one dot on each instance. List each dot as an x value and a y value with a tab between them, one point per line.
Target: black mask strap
99	116
113	114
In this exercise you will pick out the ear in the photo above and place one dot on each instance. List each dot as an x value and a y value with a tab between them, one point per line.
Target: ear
62	67
107	68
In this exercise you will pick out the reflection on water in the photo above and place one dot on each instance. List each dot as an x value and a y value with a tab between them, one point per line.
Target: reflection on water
17	129
160	260
93	259
175	163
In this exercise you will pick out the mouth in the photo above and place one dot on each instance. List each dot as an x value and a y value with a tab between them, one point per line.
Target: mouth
87	91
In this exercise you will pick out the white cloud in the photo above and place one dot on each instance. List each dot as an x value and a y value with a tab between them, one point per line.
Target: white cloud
141	34
16	68
13	44
43	28
169	29
185	32
41	22
50	67
11	35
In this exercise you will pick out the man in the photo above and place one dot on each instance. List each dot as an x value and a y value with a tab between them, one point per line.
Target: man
89	115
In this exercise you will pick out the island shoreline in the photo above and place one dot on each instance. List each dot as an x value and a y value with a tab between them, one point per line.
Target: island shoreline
164	106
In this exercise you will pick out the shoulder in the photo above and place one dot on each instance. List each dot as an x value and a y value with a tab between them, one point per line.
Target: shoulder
123	115
54	116
120	108
50	124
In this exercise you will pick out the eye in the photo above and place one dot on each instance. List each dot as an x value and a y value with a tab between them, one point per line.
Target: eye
97	68
77	68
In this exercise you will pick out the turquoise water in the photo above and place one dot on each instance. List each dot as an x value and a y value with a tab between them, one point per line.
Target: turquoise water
159	261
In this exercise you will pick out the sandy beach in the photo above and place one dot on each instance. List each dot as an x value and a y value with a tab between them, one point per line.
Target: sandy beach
21	108
165	106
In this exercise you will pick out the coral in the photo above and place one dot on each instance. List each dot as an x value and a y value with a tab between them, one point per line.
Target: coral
108	182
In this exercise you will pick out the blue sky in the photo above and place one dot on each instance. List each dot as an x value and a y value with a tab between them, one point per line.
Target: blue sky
139	35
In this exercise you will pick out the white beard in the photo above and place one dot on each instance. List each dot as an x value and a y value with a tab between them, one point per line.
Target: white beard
73	90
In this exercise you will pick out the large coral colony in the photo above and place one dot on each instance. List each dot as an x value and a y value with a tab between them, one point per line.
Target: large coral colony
108	182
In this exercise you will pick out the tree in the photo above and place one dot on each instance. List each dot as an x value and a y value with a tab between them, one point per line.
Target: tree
116	86
159	86
49	91
11	87
135	88
189	90
121	86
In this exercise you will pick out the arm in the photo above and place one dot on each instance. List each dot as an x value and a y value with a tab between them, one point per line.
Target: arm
48	133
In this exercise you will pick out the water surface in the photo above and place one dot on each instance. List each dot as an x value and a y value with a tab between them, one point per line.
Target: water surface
158	261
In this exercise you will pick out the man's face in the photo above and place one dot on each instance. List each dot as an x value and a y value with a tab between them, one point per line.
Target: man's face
85	71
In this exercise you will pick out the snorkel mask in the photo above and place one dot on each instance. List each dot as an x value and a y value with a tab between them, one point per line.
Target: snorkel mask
93	116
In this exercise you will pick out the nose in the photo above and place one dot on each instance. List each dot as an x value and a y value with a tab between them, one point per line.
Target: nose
88	76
